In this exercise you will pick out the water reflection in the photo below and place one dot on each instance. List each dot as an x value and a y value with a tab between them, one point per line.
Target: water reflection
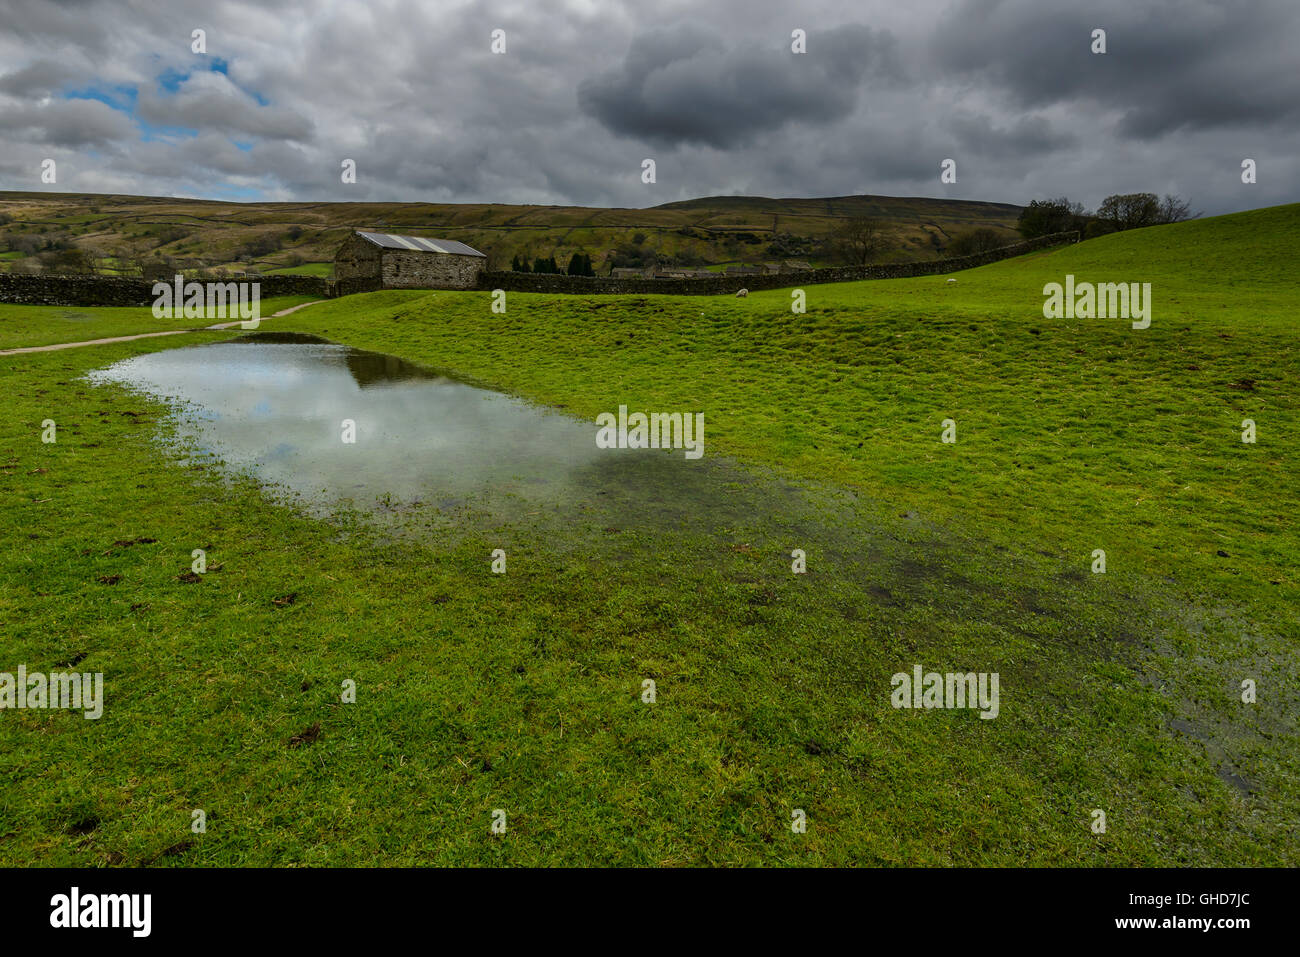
275	405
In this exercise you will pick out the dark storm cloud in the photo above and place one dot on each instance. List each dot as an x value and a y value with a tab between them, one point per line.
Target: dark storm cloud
1022	137
1190	64
587	89
685	85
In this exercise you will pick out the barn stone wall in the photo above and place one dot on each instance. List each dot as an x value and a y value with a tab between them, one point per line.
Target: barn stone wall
407	269
357	258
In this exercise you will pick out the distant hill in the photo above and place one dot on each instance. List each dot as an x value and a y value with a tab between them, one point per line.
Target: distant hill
121	231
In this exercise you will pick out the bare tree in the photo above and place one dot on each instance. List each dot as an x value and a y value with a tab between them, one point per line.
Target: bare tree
127	263
1175	210
859	239
68	262
979	240
158	269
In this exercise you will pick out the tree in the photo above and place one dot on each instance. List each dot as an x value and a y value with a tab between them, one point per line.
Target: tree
161	269
1130	210
1047	216
68	262
859	239
979	240
1175	210
127	263
580	265
260	246
1097	227
27	245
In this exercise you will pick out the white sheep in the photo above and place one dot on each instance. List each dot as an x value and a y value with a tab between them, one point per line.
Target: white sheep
742	294
952	280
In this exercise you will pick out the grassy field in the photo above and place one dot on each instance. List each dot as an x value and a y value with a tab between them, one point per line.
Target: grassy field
324	270
22	326
1120	691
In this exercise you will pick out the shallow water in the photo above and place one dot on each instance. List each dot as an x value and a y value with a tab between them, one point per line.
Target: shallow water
273	406
434	453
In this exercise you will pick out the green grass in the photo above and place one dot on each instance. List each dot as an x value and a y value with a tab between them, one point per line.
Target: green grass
306	269
22	326
1119	691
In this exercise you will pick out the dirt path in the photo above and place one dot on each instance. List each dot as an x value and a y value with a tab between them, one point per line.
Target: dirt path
301	305
147	335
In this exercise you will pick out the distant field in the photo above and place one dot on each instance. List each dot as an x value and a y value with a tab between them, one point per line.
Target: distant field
713	230
306	269
1120	691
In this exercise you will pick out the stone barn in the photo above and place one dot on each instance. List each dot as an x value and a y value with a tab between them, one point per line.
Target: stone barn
408	262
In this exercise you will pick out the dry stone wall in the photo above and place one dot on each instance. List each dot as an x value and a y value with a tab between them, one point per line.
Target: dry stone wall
119	291
722	285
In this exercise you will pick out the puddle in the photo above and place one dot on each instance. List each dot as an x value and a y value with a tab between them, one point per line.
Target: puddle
434	455
274	406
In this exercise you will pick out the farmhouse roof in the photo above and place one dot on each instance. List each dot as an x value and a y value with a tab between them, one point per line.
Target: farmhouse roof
420	244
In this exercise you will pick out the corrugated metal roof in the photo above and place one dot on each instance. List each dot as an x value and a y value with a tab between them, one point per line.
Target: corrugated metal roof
420	244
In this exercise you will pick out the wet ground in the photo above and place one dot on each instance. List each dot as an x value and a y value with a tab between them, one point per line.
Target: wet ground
438	458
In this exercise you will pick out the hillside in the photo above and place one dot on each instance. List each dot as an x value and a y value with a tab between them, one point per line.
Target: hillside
1250	251
119	230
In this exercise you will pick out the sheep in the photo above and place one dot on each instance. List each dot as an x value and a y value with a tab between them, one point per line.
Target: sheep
952	280
742	294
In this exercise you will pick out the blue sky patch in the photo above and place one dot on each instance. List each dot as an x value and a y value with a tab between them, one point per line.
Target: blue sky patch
121	98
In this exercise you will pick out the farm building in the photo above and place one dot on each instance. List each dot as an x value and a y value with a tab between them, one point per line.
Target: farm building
408	262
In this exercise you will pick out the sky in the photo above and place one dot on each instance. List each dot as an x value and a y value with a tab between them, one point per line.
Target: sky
586	90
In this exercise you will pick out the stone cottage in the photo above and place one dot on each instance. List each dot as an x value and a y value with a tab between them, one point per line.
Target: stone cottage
408	262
